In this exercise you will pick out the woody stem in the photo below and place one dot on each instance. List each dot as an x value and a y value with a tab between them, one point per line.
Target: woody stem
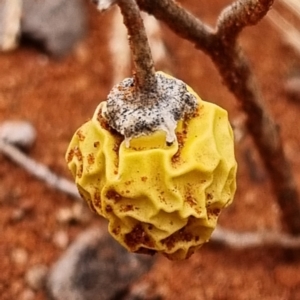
145	81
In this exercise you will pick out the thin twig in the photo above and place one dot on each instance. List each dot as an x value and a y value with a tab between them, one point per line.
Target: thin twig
180	21
246	240
240	14
289	32
142	58
293	5
238	77
38	170
120	50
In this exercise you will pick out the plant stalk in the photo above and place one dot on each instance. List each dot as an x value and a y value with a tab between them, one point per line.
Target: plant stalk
145	81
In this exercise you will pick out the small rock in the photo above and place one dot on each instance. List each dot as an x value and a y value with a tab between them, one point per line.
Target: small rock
78	213
18	133
81	212
35	276
95	266
10	20
17	215
61	239
56	24
64	215
23	210
19	256
143	291
28	294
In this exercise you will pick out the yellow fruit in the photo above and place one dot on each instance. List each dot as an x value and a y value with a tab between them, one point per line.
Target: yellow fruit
158	198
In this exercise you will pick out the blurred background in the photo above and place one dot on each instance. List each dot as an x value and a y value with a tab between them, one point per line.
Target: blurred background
58	60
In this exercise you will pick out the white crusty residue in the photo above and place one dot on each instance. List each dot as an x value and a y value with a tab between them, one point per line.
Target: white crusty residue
132	119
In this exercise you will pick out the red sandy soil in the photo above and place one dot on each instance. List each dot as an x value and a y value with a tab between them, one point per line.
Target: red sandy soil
57	96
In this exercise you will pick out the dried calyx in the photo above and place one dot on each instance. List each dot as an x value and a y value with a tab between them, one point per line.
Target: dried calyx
125	113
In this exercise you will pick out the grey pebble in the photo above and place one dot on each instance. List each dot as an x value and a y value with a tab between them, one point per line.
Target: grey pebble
78	213
35	276
10	19
60	239
56	24
95	267
19	256
17	215
18	133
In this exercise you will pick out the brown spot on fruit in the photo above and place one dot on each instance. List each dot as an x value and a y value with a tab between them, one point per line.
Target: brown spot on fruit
191	200
179	236
113	195
138	237
70	155
91	159
116	147
97	199
79	166
80	135
103	123
116	230
108	209
215	212
79	171
77	153
126	208
147	251
180	139
209	196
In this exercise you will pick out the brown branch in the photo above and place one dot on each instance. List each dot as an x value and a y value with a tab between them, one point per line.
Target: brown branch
247	240
180	21
289	33
234	68
240	14
143	62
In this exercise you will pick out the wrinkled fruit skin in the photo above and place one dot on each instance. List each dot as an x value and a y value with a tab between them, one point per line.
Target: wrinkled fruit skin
158	198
